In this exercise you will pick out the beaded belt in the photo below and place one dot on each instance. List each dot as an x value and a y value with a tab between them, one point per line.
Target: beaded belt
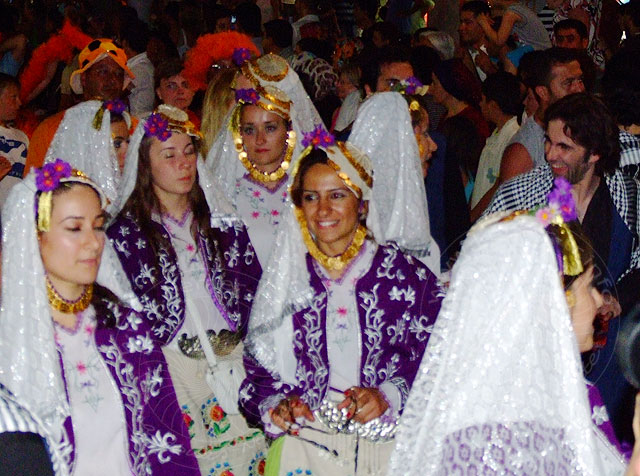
378	430
222	344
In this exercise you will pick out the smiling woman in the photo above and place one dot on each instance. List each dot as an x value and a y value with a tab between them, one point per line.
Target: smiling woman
338	324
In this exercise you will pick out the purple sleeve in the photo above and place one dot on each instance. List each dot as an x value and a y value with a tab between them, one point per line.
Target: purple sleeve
260	391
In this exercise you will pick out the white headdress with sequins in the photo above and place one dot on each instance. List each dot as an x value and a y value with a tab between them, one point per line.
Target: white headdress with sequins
383	131
501	385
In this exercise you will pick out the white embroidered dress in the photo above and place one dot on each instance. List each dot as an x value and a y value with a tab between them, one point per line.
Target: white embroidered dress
95	402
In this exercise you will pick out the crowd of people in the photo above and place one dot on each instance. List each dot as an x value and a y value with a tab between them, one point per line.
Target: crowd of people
318	237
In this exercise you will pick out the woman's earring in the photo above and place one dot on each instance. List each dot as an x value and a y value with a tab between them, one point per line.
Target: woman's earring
571	298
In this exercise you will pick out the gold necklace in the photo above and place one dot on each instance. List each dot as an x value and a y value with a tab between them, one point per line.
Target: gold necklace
258	175
69	307
332	263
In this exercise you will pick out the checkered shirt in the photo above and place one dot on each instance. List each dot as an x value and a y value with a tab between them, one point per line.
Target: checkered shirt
529	190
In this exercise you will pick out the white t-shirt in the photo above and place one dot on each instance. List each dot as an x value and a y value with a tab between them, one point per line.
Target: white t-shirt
490	159
13	146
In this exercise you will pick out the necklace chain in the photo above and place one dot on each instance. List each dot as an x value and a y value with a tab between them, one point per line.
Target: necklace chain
258	175
69	307
332	263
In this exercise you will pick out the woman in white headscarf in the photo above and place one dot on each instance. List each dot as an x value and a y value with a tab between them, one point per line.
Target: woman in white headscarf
86	366
189	261
501	388
338	325
384	132
254	154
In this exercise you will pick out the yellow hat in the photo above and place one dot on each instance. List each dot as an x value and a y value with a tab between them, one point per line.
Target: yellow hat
96	51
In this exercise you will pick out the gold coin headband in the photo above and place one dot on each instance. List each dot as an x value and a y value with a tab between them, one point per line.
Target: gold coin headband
167	119
48	178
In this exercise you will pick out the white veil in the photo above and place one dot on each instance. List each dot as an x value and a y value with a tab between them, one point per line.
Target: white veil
91	150
29	363
502	368
88	149
383	131
223	158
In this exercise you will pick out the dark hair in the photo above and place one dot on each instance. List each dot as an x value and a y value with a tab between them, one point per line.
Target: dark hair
423	60
167	69
316	156
571	24
370	7
504	89
476	7
457	80
249	18
387	30
464	144
61	189
624	104
280	31
541	74
632	9
388	55
8	80
213	13
136	33
588	122
143	201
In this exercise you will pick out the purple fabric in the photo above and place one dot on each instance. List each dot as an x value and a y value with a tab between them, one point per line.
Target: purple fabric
159	442
601	420
155	277
398	303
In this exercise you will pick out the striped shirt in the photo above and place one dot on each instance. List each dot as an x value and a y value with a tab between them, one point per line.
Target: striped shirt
14	417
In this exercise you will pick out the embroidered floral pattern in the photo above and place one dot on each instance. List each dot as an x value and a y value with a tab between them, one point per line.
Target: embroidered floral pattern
214	418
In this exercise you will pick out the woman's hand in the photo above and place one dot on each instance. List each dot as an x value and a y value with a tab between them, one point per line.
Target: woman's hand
364	404
290	408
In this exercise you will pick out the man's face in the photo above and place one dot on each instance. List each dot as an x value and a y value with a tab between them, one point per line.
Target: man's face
391	74
565	79
469	29
9	103
570	39
567	158
104	79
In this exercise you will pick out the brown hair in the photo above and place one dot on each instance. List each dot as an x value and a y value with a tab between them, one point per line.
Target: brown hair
143	200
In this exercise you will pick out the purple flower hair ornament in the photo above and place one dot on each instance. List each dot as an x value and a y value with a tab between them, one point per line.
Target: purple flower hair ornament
318	137
240	56
115	106
561	199
157	126
411	87
49	175
247	96
561	209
